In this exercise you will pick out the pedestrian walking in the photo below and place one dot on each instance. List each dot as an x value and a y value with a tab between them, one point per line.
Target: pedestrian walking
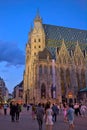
77	109
65	112
83	110
70	115
28	107
33	112
17	111
48	117
12	111
5	109
40	115
55	112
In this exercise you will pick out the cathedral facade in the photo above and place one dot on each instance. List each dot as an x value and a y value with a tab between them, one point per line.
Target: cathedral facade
56	63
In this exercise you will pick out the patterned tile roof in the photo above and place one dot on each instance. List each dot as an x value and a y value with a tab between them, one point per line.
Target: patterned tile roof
55	35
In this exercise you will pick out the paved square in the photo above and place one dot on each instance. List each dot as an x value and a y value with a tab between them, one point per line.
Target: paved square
27	123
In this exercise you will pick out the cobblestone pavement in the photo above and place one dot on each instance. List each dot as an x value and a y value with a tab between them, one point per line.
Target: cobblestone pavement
27	123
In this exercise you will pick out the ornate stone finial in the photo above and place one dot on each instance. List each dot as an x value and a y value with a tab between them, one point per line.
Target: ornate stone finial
38	18
77	43
63	41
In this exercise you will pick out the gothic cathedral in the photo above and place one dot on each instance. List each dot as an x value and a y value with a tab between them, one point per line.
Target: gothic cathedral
56	63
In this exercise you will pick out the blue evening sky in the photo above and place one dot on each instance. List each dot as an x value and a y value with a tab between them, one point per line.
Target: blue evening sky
16	17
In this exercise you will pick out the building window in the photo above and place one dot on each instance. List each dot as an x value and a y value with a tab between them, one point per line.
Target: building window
28	69
40	69
21	93
38	40
45	69
34	40
39	46
43	91
34	53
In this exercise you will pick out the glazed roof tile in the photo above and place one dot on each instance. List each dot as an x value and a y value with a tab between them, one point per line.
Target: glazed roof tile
55	35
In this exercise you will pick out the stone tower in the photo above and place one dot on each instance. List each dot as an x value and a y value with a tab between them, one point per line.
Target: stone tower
36	43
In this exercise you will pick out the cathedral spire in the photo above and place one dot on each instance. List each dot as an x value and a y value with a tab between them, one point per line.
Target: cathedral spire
38	18
38	13
63	43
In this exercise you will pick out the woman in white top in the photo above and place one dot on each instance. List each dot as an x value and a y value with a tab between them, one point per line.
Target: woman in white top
49	122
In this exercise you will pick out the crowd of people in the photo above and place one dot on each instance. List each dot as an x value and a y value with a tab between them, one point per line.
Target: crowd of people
14	110
48	112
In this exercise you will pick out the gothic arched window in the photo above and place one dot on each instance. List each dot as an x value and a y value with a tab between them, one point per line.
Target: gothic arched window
51	70
68	78
62	81
45	69
39	40
43	91
40	69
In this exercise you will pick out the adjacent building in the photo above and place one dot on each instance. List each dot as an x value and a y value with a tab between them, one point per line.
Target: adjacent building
3	91
18	93
56	63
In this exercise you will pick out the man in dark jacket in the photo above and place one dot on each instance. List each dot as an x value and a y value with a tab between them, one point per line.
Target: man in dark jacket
40	114
12	111
55	112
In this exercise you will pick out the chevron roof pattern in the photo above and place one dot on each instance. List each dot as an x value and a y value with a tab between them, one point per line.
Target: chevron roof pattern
55	35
